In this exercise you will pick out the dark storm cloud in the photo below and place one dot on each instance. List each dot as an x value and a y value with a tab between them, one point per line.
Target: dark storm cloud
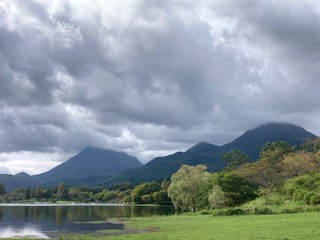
153	77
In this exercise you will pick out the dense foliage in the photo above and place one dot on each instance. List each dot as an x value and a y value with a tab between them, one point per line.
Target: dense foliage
281	168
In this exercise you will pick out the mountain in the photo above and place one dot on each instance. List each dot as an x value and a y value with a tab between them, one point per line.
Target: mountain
252	140
250	143
23	175
202	147
12	182
90	162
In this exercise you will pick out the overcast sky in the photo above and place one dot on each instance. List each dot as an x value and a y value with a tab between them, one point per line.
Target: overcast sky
150	77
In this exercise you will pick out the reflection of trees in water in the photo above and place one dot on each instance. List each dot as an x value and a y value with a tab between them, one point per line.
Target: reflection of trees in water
61	214
26	213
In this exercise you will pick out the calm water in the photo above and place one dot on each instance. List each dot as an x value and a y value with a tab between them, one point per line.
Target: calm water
48	220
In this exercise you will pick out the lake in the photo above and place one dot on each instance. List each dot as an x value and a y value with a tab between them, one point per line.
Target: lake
48	220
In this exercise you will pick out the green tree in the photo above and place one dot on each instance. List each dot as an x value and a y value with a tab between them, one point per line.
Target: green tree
47	193
234	159
186	185
38	193
28	193
161	197
217	198
62	192
111	196
2	189
144	189
236	188
164	185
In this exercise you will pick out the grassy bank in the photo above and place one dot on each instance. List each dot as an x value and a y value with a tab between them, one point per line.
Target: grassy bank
268	227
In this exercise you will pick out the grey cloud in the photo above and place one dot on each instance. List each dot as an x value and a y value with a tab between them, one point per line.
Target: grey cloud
156	78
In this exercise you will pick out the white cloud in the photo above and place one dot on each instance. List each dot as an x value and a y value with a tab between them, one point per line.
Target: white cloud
29	162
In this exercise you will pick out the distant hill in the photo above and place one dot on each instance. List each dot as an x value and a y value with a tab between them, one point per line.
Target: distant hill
12	182
90	162
250	143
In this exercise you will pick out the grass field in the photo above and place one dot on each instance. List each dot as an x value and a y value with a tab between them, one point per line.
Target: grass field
267	227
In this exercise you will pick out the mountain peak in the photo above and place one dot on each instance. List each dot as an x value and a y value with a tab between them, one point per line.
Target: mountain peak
22	175
202	147
90	162
283	131
252	140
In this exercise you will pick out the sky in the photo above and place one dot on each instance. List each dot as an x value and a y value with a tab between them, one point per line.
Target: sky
150	77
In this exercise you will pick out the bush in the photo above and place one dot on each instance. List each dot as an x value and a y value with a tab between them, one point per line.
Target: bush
298	195
263	210
312	198
205	212
228	212
291	210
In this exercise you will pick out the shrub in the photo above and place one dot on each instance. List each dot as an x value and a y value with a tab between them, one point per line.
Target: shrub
205	212
298	195
262	210
228	212
291	210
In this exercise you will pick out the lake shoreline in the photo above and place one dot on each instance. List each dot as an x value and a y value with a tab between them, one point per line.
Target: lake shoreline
51	219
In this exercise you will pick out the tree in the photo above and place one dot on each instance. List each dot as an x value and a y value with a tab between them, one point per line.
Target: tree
27	194
2	189
301	162
38	193
142	190
164	185
62	192
237	190
234	159
217	198
267	172
186	184
161	197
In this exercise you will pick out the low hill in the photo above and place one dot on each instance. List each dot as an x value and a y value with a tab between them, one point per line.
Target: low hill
12	182
90	162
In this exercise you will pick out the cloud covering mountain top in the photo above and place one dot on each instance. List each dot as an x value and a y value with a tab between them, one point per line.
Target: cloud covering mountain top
150	77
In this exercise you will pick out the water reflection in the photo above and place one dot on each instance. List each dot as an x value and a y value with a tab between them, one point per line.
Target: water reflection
48	220
9	232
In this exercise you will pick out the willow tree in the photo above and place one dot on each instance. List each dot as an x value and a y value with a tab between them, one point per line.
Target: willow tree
187	184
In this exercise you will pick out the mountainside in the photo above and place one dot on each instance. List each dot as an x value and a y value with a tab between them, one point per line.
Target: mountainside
252	140
90	162
250	143
16	181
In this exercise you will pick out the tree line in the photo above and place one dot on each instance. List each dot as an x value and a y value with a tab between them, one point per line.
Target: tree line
144	193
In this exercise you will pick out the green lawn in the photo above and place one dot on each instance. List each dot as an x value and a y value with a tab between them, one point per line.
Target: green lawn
267	227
